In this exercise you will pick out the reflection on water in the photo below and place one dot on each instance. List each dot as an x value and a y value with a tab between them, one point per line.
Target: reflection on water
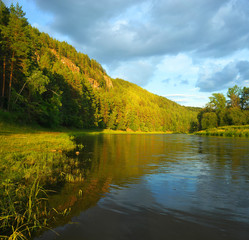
157	187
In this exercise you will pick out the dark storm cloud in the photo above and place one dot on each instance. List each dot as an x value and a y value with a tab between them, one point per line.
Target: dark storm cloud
233	73
111	30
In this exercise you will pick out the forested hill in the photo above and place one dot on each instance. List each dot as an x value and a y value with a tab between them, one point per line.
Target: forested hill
49	82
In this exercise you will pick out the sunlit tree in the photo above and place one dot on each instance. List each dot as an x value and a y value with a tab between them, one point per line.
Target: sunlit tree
15	37
244	99
234	96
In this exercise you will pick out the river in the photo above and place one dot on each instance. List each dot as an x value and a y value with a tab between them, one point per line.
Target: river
156	187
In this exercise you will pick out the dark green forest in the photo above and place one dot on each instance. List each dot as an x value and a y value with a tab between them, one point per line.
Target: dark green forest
48	82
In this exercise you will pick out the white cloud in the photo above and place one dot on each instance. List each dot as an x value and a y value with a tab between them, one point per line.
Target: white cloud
219	79
139	72
139	28
185	96
170	46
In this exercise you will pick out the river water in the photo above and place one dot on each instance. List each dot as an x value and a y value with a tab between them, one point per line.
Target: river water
156	187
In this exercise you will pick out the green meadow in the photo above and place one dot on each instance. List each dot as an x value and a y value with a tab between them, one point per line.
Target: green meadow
32	164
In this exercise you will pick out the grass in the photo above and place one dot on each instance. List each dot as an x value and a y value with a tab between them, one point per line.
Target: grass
23	210
110	131
31	162
34	160
226	131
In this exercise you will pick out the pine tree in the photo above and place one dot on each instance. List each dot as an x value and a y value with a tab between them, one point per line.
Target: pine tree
15	37
4	19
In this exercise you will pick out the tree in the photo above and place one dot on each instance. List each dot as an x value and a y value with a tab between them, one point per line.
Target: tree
217	101
15	36
200	116
193	127
4	19
209	120
244	99
51	83
37	82
235	116
234	96
4	14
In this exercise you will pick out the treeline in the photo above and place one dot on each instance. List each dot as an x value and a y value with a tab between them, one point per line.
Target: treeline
48	82
222	112
131	107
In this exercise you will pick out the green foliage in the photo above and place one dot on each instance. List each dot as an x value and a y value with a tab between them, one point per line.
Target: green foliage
48	82
244	100
227	131
193	127
235	112
217	101
29	163
234	96
235	116
37	82
21	210
209	120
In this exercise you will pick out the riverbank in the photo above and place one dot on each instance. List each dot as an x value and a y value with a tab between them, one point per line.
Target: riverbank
11	128
35	160
141	176
226	131
31	163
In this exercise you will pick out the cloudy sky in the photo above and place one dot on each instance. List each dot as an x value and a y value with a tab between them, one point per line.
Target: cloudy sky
184	50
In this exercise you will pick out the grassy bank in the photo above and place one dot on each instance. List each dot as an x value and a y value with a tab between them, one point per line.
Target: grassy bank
226	131
110	131
31	163
35	160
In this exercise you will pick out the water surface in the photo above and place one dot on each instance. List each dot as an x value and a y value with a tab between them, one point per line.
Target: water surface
157	187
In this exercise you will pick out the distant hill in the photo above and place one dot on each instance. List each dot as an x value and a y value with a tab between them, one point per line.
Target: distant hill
49	82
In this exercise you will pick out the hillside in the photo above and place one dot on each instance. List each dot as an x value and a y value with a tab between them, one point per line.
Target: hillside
48	82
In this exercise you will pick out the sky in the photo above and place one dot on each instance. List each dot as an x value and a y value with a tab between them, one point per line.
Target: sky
184	50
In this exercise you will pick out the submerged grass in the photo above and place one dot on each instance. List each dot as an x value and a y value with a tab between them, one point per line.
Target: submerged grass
226	131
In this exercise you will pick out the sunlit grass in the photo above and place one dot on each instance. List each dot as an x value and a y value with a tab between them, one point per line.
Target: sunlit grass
226	131
110	131
32	161
29	163
23	209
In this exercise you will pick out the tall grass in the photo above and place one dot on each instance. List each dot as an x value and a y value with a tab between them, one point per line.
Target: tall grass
227	131
23	210
31	163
